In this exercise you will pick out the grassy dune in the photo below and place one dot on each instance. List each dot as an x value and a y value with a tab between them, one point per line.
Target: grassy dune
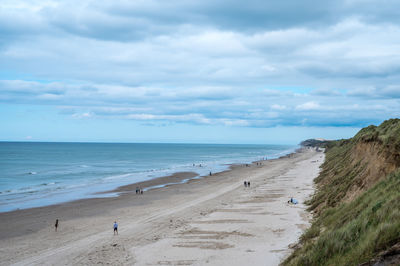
357	204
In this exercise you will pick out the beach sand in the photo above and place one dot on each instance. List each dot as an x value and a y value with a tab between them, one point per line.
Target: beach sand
214	220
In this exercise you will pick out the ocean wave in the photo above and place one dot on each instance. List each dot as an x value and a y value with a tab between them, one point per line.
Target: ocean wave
29	189
117	176
83	176
48	184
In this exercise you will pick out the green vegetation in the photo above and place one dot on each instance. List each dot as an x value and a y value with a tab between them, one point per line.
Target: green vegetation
315	143
387	134
354	232
337	175
355	220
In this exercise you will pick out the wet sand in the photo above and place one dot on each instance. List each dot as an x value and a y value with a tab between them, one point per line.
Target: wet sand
212	220
173	179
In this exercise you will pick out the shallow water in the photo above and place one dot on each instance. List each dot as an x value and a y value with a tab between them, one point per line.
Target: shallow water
36	174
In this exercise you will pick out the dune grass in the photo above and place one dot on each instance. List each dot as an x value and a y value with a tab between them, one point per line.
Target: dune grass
353	232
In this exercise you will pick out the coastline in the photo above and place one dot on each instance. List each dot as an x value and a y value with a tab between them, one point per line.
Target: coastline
182	177
85	179
159	182
82	219
124	191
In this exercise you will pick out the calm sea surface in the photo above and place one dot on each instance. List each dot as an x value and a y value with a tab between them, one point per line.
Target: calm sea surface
36	174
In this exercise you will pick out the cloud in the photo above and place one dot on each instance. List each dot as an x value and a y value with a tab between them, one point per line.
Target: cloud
308	106
391	91
204	62
278	107
325	92
82	115
124	20
388	92
205	105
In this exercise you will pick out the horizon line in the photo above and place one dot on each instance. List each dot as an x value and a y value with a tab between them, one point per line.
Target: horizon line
111	142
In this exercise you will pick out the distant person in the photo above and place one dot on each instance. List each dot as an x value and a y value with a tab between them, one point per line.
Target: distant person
245	183
248	183
115	228
137	190
210	173
56	225
293	201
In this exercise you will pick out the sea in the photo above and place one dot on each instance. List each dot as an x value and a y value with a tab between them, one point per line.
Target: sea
35	174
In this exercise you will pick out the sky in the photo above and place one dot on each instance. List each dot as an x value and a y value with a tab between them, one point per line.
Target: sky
204	71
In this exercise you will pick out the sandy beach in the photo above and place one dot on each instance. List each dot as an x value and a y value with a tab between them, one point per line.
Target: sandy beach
214	220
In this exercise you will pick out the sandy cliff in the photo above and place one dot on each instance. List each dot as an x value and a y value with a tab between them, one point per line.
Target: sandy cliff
356	206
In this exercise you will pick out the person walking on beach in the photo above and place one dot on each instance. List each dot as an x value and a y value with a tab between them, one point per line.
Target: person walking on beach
56	225
115	228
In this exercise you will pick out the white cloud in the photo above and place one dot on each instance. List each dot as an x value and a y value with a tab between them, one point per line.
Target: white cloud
308	106
278	107
236	122
82	115
215	63
191	118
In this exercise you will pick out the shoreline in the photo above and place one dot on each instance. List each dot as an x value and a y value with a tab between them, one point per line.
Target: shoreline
175	178
166	180
163	182
175	205
180	178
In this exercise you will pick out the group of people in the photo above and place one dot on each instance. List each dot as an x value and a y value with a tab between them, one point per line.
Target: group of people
246	183
139	190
